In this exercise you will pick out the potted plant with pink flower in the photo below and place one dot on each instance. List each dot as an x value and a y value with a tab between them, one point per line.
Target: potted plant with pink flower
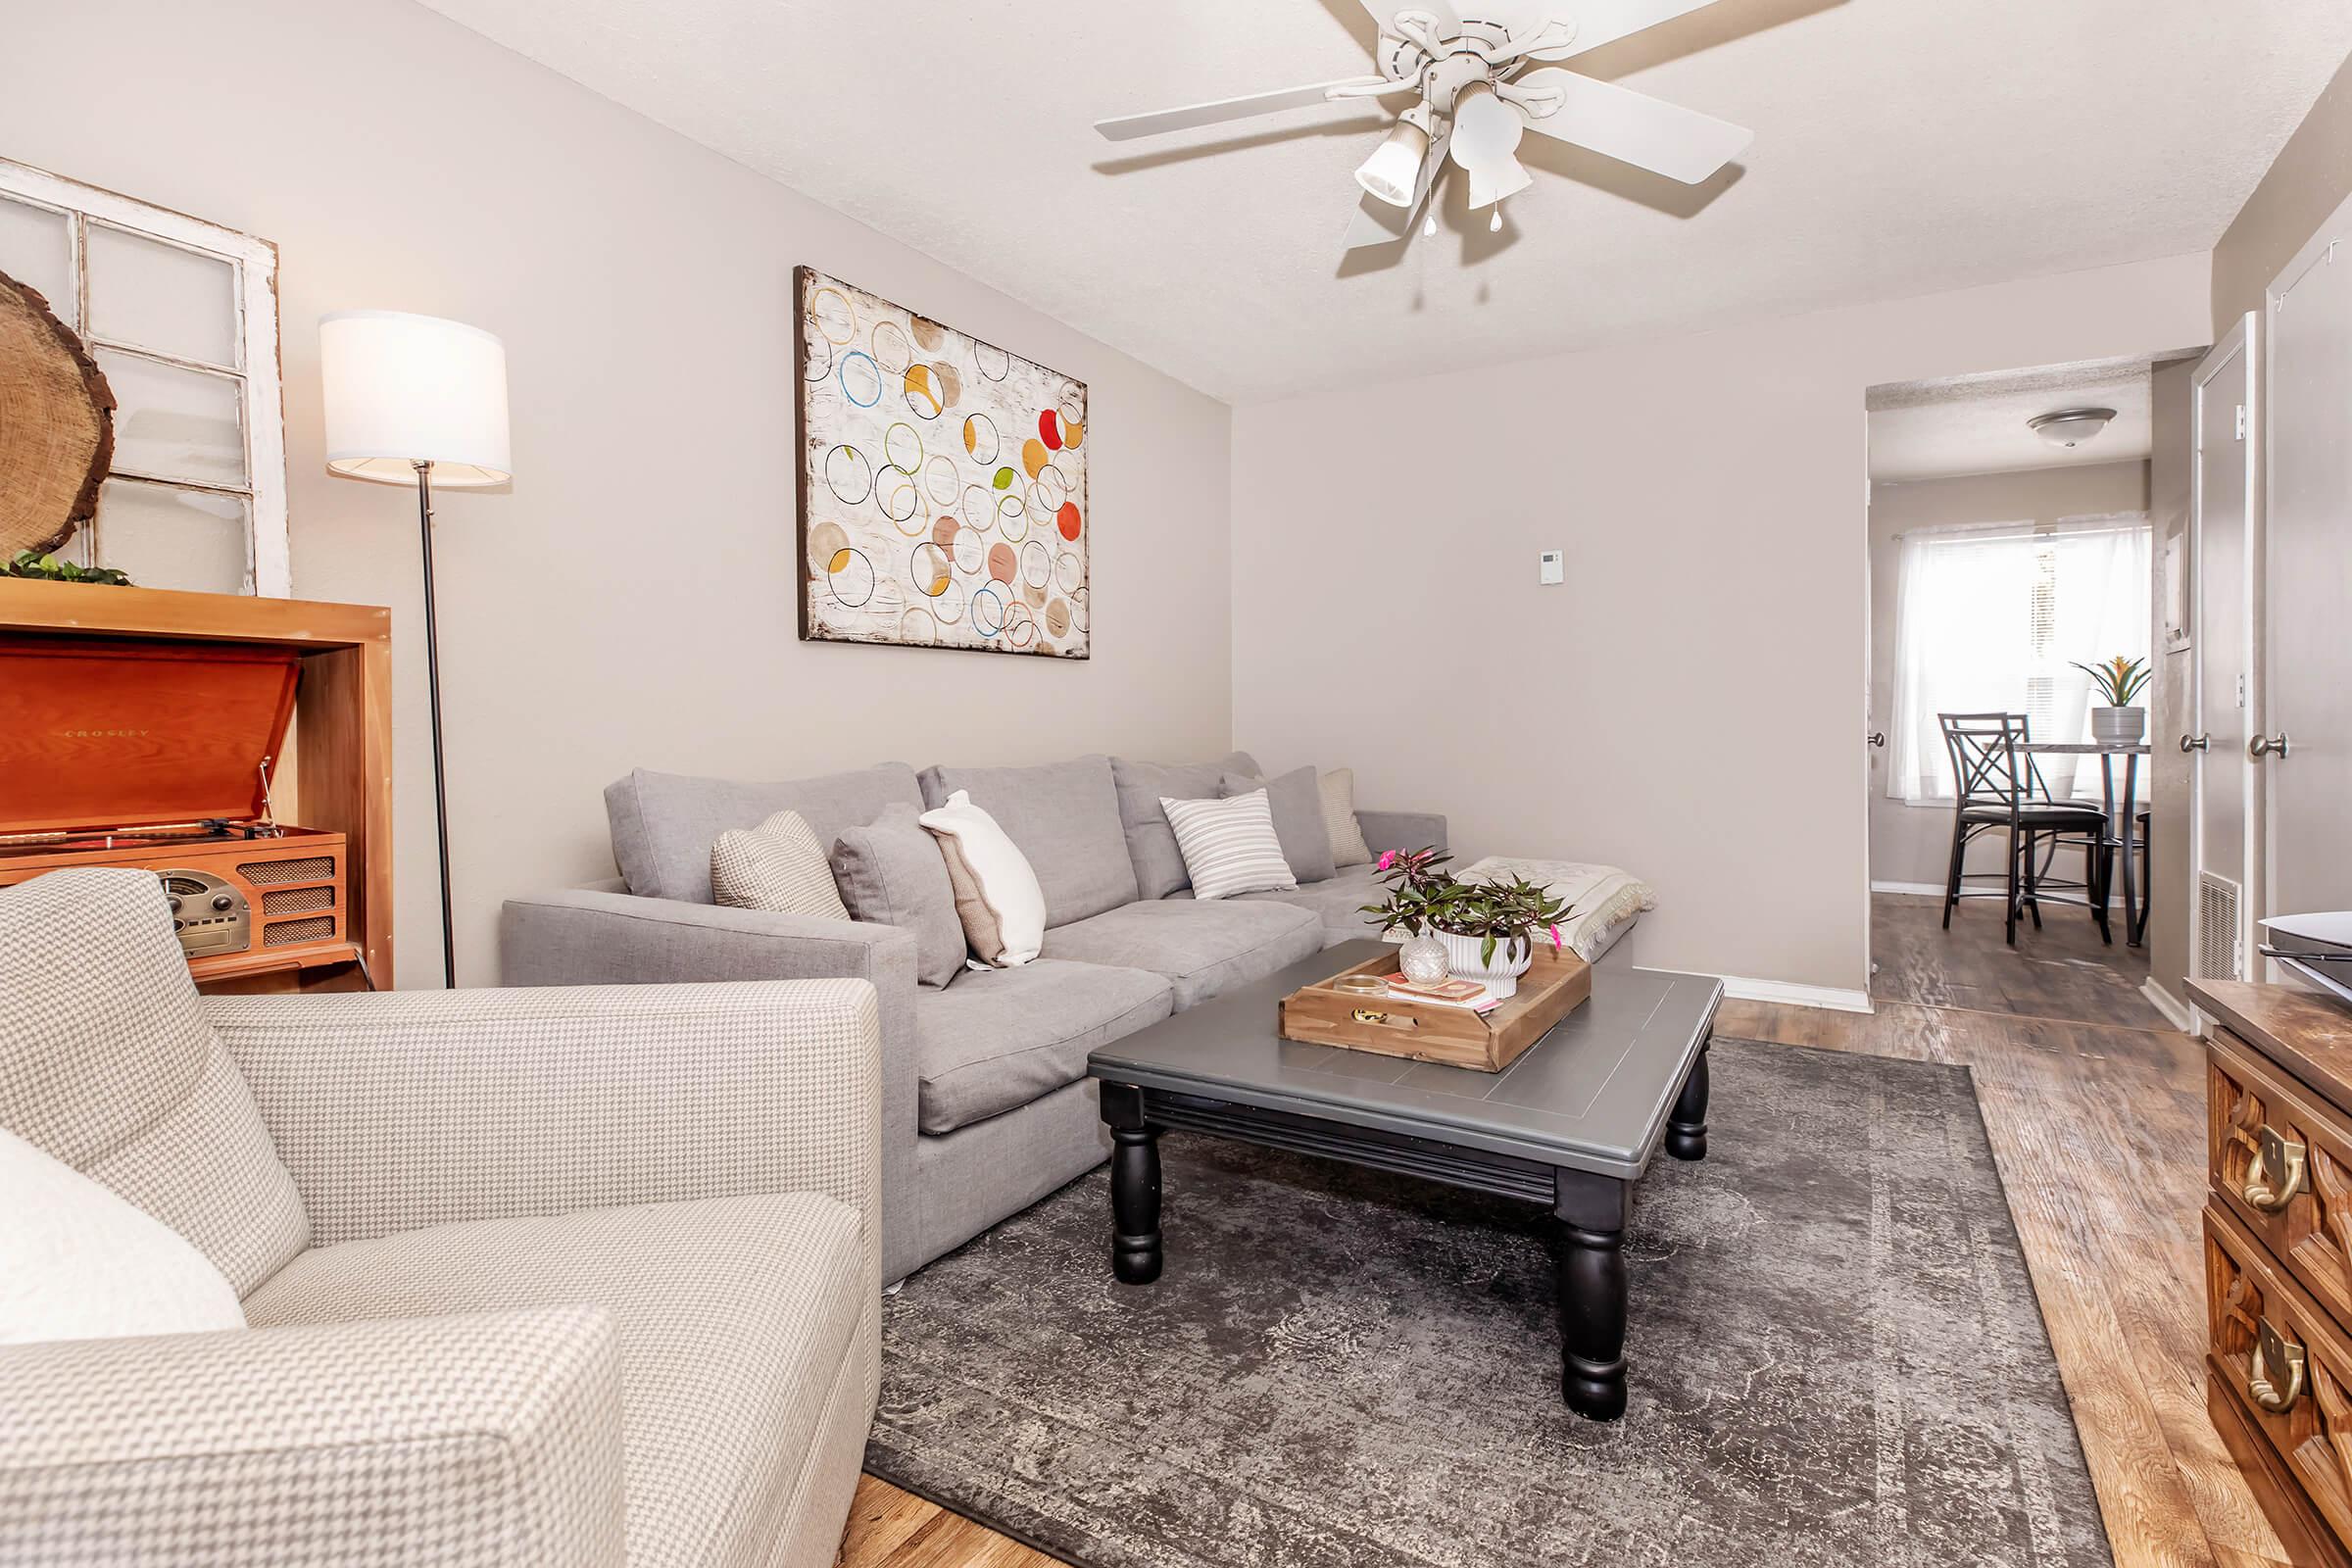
1486	931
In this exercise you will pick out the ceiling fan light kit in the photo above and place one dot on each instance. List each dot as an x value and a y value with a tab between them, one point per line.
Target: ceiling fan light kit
1479	87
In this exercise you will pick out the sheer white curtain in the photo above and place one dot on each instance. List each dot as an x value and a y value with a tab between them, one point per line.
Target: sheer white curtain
1990	619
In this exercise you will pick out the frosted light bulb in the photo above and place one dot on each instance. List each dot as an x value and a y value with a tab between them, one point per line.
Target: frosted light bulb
1429	226
1494	224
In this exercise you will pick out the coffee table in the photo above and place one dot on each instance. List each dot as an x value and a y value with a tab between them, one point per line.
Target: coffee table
1571	1125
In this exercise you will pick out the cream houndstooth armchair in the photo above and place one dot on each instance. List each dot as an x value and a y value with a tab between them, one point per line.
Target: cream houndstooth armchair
575	1277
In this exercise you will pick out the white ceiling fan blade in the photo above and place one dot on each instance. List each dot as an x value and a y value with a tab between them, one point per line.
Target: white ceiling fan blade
1385	12
1378	224
1130	126
1600	22
1634	128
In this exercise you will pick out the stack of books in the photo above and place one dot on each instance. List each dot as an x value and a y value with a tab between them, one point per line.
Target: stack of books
1444	993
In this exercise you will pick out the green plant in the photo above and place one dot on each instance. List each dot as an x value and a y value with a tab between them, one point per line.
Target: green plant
2119	679
28	563
1423	895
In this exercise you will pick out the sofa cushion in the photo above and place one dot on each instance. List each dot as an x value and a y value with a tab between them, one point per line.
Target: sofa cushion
889	872
1295	801
1229	845
1202	948
663	825
108	1067
1064	817
1335	902
994	1041
734	1318
1151	842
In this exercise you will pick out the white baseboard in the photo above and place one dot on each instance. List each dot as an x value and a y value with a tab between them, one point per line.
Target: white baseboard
2179	1014
1929	890
1741	989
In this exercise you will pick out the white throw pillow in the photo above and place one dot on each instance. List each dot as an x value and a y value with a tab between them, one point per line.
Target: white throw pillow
778	866
1228	845
1347	846
997	895
77	1262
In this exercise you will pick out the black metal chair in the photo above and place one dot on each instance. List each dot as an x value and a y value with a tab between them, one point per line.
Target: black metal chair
2000	791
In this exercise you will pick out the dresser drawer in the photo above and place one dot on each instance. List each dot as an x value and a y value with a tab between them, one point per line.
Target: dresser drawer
2281	1159
2288	1367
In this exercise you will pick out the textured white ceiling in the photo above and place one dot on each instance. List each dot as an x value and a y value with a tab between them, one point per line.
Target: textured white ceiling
1977	423
1903	146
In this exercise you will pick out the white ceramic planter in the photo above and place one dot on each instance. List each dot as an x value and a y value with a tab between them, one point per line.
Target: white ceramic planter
2119	726
1501	976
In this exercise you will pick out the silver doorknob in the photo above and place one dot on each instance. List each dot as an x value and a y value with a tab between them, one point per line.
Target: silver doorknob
2196	743
1878	737
2268	746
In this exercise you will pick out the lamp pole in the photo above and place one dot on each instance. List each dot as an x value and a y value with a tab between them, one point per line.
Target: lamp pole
432	680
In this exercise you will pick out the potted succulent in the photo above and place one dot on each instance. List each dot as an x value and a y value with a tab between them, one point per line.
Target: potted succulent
1485	930
2118	680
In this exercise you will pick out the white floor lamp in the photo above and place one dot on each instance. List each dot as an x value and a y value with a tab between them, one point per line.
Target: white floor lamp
416	399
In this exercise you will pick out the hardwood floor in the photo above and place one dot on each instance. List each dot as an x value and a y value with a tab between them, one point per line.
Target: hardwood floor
2095	1110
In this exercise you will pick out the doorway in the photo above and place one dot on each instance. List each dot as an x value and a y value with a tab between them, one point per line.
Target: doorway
2012	555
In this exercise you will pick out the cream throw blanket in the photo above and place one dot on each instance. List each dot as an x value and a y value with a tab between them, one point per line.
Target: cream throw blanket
1602	897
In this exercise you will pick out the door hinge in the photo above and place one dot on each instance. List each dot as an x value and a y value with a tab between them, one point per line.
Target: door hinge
2241	421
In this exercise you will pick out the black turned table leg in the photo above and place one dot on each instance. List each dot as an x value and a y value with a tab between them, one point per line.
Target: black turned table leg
1686	1123
1593	1212
1135	1254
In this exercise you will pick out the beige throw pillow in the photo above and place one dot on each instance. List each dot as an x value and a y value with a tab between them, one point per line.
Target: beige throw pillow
778	866
1347	846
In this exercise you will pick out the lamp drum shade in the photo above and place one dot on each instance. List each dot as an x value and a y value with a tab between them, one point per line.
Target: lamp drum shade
401	389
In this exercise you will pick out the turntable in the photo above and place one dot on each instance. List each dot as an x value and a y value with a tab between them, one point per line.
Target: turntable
163	755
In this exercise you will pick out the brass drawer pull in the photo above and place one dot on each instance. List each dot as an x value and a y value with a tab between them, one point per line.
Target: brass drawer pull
2274	1375
2278	1173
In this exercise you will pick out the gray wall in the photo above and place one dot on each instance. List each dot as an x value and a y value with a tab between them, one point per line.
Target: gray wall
1912	844
1691	703
632	601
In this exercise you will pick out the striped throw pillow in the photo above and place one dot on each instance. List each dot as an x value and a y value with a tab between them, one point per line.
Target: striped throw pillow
778	866
1228	845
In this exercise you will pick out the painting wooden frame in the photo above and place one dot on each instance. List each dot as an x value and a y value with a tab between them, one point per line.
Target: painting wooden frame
941	483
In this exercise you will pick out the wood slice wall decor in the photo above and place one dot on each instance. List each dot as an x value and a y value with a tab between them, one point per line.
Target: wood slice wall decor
57	424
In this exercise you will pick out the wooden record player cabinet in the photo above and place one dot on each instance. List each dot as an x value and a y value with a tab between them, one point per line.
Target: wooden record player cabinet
338	774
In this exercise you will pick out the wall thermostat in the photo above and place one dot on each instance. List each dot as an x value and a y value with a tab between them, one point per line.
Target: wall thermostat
1551	567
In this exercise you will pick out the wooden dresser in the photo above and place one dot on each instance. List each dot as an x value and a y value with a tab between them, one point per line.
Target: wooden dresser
2279	1254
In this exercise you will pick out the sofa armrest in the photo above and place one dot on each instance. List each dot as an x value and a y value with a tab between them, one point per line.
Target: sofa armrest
483	1441
403	1109
1401	830
598	938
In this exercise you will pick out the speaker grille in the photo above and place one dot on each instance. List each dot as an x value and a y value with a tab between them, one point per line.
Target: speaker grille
297	901
268	873
283	932
2219	955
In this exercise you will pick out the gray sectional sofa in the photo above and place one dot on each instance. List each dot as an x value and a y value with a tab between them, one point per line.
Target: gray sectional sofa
986	1106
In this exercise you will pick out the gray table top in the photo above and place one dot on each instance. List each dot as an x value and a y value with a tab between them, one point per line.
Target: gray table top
1591	1095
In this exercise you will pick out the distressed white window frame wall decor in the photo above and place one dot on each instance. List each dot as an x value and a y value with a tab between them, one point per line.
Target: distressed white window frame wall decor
251	364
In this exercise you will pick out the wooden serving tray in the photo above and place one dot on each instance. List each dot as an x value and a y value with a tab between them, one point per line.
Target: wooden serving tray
1397	1026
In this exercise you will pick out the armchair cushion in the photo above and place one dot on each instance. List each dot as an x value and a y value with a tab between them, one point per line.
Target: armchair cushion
464	1441
735	1317
108	1065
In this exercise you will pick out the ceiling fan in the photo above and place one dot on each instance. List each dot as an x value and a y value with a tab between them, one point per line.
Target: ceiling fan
1481	78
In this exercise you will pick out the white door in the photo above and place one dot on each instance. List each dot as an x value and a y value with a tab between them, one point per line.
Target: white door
2223	835
2304	724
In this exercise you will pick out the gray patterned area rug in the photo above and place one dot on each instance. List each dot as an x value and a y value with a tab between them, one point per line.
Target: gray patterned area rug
1836	1359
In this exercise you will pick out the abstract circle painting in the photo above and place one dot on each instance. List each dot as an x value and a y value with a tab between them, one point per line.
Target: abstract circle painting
942	483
